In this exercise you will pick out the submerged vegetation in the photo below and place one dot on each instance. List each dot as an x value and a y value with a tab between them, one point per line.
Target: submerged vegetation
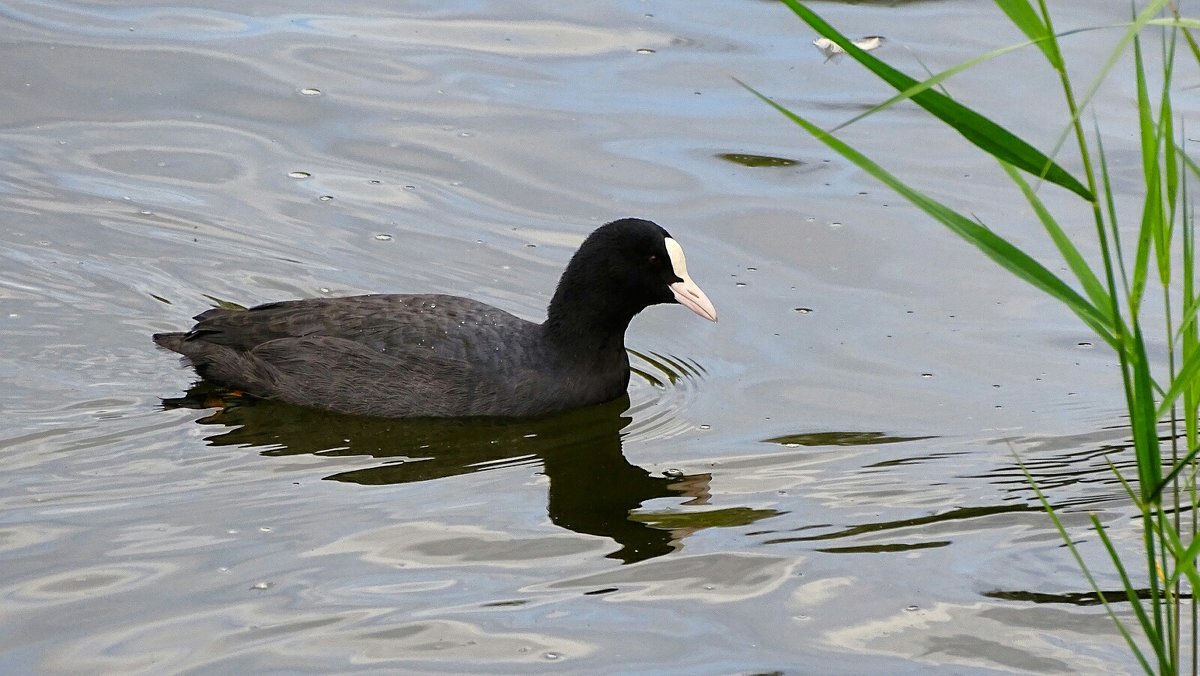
1144	284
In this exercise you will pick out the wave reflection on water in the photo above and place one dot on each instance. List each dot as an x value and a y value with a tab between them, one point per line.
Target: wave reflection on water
658	410
593	489
1069	468
145	155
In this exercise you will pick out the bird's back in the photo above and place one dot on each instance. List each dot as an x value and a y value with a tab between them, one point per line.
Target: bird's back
394	355
450	326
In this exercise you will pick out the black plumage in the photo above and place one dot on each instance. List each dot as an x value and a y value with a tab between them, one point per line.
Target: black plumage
426	355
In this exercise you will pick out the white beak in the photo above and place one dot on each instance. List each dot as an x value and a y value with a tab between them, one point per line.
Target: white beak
686	291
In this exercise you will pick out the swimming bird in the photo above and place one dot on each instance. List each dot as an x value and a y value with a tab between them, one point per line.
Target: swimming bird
434	355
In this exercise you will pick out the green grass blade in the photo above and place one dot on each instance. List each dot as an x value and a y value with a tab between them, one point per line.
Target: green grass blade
1166	142
1184	25
1179	467
1144	421
936	79
1141	261
1111	308
1144	17
1185	378
1111	212
994	246
1175	22
932	81
1139	610
1185	559
1190	302
979	130
1083	272
1023	16
1151	205
1188	161
1129	490
1189	340
1087	572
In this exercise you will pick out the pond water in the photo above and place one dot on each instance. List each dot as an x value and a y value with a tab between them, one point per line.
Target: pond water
823	482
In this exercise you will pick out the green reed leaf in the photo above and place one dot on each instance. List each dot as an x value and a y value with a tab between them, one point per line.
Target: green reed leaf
991	244
1023	16
979	130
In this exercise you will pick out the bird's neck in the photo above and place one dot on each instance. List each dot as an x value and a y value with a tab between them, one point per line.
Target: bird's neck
587	322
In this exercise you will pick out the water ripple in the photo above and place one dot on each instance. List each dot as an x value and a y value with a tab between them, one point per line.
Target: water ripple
662	387
85	583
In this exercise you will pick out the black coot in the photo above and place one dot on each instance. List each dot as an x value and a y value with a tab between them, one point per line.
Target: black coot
430	355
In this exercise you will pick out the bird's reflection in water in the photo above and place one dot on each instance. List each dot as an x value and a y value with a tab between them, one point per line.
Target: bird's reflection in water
593	488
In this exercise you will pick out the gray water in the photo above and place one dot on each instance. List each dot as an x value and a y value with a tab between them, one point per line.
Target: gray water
823	482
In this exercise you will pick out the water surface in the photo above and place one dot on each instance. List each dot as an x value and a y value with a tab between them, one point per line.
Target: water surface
823	482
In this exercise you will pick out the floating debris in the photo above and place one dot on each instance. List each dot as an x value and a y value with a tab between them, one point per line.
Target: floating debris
830	49
748	160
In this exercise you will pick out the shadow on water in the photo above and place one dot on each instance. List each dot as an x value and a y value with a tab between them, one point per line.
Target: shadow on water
1088	598
593	488
841	439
